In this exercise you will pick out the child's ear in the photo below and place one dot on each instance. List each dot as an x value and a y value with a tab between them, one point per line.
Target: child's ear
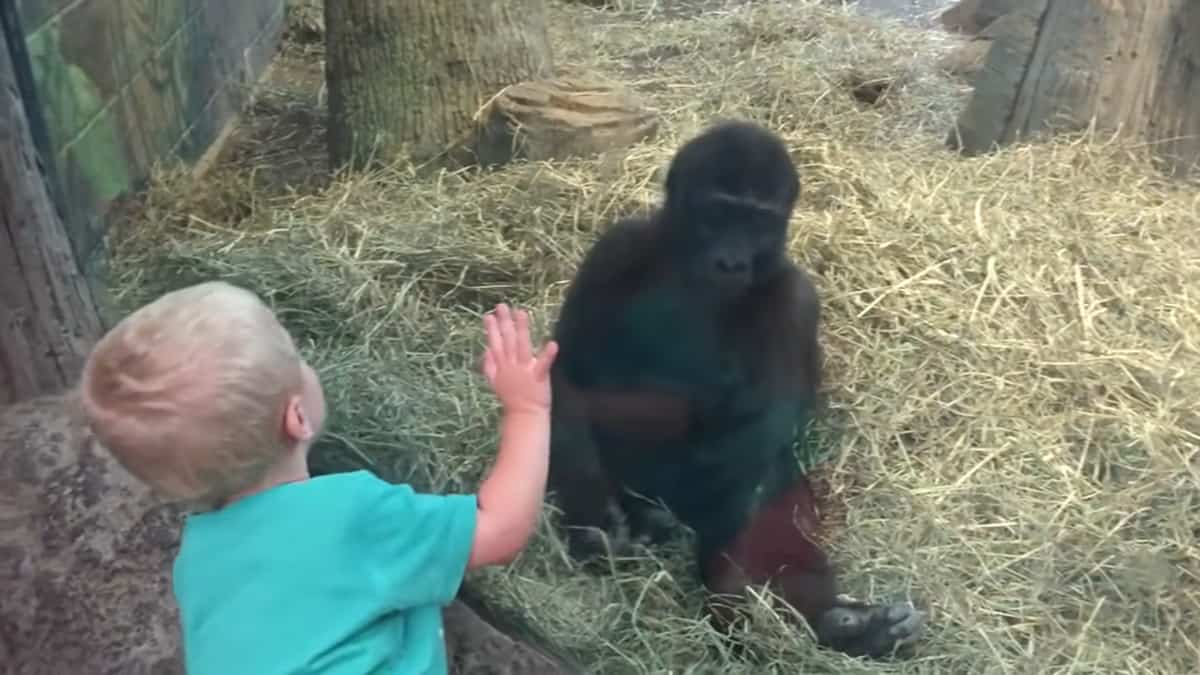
296	423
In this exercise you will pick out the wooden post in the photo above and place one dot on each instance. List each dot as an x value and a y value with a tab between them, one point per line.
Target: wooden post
48	317
1128	65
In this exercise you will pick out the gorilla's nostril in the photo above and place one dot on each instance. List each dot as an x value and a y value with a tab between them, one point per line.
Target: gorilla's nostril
729	266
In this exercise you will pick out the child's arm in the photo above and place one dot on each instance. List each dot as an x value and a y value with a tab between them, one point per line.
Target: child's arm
417	546
510	499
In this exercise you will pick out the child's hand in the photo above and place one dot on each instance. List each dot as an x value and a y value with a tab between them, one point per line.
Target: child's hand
520	379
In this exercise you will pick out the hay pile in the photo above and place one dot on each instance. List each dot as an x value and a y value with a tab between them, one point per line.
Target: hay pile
1012	341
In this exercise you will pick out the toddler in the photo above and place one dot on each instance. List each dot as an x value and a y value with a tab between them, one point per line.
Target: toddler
203	395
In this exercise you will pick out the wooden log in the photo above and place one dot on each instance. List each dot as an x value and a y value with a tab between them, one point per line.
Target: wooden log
475	645
1125	65
48	317
559	118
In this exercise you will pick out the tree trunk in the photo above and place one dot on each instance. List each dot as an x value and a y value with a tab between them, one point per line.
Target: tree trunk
1130	65
406	77
48	318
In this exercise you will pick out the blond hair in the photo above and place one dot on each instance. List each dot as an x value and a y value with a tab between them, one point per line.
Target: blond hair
189	391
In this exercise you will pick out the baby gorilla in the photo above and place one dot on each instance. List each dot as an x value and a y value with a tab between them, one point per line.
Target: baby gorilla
689	364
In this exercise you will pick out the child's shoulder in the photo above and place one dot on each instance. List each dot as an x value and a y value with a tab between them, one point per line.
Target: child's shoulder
364	485
365	491
359	477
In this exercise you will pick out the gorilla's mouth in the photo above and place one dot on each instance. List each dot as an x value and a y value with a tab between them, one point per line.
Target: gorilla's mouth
731	287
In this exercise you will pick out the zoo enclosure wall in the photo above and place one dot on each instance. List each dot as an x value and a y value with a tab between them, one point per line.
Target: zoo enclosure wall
123	84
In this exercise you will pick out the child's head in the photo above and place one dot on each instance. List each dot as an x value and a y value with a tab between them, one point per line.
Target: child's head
201	393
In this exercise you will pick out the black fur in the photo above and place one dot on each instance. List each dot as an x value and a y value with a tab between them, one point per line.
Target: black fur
689	365
729	361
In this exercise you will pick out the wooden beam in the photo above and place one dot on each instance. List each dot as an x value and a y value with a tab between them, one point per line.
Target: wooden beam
48	317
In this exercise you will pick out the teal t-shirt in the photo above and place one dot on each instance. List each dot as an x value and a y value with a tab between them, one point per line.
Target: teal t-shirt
343	573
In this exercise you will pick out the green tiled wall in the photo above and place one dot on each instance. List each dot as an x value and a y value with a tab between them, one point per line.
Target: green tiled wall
125	83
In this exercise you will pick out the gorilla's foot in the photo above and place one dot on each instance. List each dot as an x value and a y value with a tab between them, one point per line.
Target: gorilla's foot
861	629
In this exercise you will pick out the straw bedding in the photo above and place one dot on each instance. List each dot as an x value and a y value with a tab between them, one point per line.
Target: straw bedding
1012	340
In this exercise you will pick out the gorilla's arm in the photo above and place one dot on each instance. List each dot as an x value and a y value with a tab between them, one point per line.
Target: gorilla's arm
600	371
742	448
596	386
647	416
775	543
